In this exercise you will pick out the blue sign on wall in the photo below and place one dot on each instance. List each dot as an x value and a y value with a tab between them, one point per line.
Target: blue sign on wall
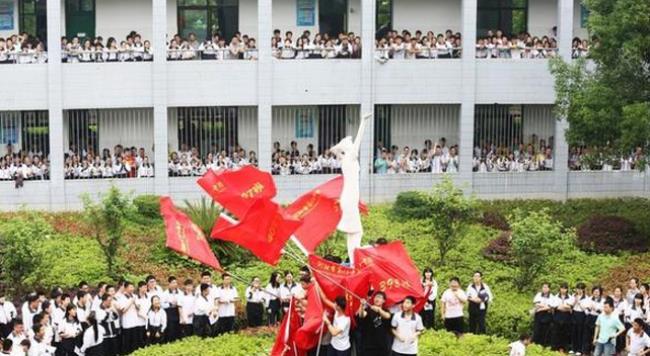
6	14
306	12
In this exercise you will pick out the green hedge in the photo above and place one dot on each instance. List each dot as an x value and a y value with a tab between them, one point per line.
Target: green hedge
148	206
431	343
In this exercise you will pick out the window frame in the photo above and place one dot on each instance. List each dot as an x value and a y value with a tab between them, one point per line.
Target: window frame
209	7
500	8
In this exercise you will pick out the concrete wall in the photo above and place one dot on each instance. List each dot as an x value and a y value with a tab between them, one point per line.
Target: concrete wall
427	15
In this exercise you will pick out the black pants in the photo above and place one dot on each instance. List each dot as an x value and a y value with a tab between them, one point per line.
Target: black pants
66	347
334	352
589	330
254	313
577	331
225	324
173	330
131	339
111	346
97	350
561	335
274	312
428	317
201	326
187	330
5	329
454	325
542	332
477	321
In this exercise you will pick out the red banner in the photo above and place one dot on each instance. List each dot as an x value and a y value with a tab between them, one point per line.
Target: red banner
184	236
309	333
285	344
237	190
392	272
320	212
264	230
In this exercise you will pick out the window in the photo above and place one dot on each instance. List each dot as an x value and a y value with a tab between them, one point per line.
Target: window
207	17
584	16
384	17
33	18
510	16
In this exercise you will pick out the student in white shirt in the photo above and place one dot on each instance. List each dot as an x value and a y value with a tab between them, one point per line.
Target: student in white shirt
93	338
451	306
156	322
339	328
543	316
17	335
562	305
518	348
430	287
203	305
126	304
273	307
108	317
579	318
479	297
186	308
637	341
7	315
255	301
143	305
68	330
289	289
171	305
227	298
593	309
30	308
407	327
38	346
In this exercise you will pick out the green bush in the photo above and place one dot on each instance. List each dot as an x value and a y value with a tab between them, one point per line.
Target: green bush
430	343
61	258
148	206
412	205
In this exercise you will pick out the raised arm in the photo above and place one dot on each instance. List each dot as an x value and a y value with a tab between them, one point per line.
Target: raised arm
362	128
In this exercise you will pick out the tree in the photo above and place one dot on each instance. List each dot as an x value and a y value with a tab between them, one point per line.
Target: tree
607	105
107	218
535	238
451	212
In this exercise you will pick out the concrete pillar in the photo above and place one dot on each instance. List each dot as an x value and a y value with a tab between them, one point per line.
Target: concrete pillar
367	97
468	100
55	105
159	78
561	149
264	83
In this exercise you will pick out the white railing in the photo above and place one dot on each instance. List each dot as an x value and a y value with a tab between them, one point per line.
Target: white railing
23	57
178	54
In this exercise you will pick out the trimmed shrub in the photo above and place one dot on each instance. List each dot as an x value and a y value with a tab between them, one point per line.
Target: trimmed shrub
412	205
495	220
148	206
610	234
499	249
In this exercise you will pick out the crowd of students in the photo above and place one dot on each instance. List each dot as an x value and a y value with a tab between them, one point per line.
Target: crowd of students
583	321
321	45
290	161
22	49
438	158
131	49
19	166
216	47
122	162
586	159
496	44
534	156
580	48
394	45
189	162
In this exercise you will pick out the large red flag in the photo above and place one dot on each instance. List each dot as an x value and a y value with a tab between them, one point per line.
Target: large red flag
237	190
336	280
392	272
264	230
320	212
285	343
308	335
184	236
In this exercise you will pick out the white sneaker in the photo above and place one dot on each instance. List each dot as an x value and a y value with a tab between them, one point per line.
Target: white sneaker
578	353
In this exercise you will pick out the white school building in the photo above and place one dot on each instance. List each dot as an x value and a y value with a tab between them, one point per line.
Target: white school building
258	102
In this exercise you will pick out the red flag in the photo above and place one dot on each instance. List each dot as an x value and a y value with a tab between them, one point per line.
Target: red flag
264	230
285	344
308	335
392	272
184	236
237	190
336	280
320	212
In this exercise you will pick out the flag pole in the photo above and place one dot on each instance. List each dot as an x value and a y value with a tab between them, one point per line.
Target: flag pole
320	337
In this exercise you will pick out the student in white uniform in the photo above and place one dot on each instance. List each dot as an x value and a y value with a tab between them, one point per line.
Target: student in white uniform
562	304
339	328
18	334
7	315
38	344
170	303
273	308
93	338
143	305
518	348
407	327
255	301
430	287
637	341
543	316
579	318
30	308
68	330
227	297
593	309
107	316
479	297
186	308
156	322
203	305
452	302
127	306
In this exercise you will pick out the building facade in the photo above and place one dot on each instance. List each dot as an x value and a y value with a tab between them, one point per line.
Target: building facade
255	103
